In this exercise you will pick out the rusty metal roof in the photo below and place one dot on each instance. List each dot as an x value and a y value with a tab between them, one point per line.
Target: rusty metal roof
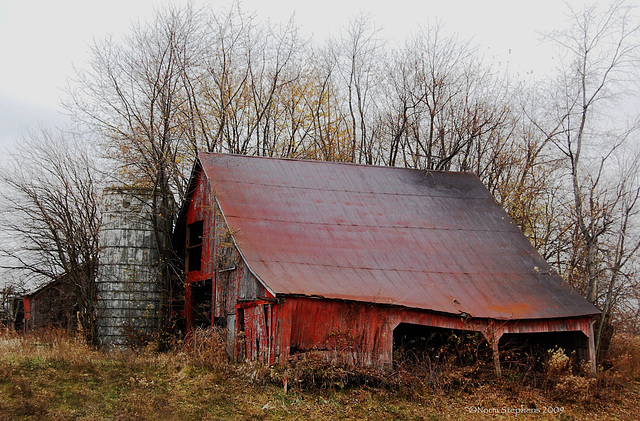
430	240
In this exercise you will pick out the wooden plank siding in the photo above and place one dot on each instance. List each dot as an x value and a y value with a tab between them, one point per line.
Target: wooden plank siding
362	333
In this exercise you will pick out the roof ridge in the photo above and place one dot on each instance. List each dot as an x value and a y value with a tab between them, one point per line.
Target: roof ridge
317	161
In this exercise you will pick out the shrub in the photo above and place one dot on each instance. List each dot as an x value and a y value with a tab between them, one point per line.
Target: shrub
564	384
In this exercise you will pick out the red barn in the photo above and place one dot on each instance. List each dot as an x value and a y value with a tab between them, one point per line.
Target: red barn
51	305
292	256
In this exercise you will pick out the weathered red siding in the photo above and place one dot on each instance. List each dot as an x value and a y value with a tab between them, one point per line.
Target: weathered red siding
363	332
200	209
27	313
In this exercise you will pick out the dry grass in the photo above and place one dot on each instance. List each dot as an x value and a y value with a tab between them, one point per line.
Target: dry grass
56	376
624	356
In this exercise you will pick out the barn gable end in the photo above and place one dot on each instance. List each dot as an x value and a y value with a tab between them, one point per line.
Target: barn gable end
220	289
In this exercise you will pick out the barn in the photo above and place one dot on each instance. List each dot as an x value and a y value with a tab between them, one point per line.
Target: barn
293	256
51	305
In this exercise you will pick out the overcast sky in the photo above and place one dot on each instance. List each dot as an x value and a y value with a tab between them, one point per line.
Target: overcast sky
41	40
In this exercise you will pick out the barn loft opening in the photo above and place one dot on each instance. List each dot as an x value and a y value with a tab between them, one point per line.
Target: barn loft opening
201	301
194	246
418	344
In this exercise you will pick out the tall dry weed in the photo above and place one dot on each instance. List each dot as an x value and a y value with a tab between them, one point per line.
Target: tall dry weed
564	384
207	348
46	345
624	356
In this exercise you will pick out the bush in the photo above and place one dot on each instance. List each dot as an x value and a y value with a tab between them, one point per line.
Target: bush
564	384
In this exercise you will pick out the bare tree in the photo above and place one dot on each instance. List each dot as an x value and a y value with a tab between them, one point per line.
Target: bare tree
52	216
328	133
599	58
271	70
225	92
602	48
445	107
621	245
359	54
138	95
9	305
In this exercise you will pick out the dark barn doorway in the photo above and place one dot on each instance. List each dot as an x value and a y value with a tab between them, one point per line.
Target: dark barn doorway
532	349
418	344
202	303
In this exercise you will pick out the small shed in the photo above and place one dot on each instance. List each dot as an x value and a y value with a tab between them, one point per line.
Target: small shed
291	256
51	305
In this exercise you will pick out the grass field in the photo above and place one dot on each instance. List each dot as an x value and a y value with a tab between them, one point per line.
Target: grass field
55	376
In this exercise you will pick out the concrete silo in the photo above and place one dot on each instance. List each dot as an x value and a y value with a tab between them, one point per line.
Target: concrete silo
128	286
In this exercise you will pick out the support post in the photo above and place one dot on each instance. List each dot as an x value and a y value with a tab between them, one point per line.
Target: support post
493	337
496	358
592	350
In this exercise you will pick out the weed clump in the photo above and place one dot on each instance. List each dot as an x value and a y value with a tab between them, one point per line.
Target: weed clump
566	384
206	348
316	370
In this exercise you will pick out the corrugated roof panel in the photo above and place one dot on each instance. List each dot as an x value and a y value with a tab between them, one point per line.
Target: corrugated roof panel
429	240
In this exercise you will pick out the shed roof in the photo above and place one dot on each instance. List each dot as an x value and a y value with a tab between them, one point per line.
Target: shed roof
422	239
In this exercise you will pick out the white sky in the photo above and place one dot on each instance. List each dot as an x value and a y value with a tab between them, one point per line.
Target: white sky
40	40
